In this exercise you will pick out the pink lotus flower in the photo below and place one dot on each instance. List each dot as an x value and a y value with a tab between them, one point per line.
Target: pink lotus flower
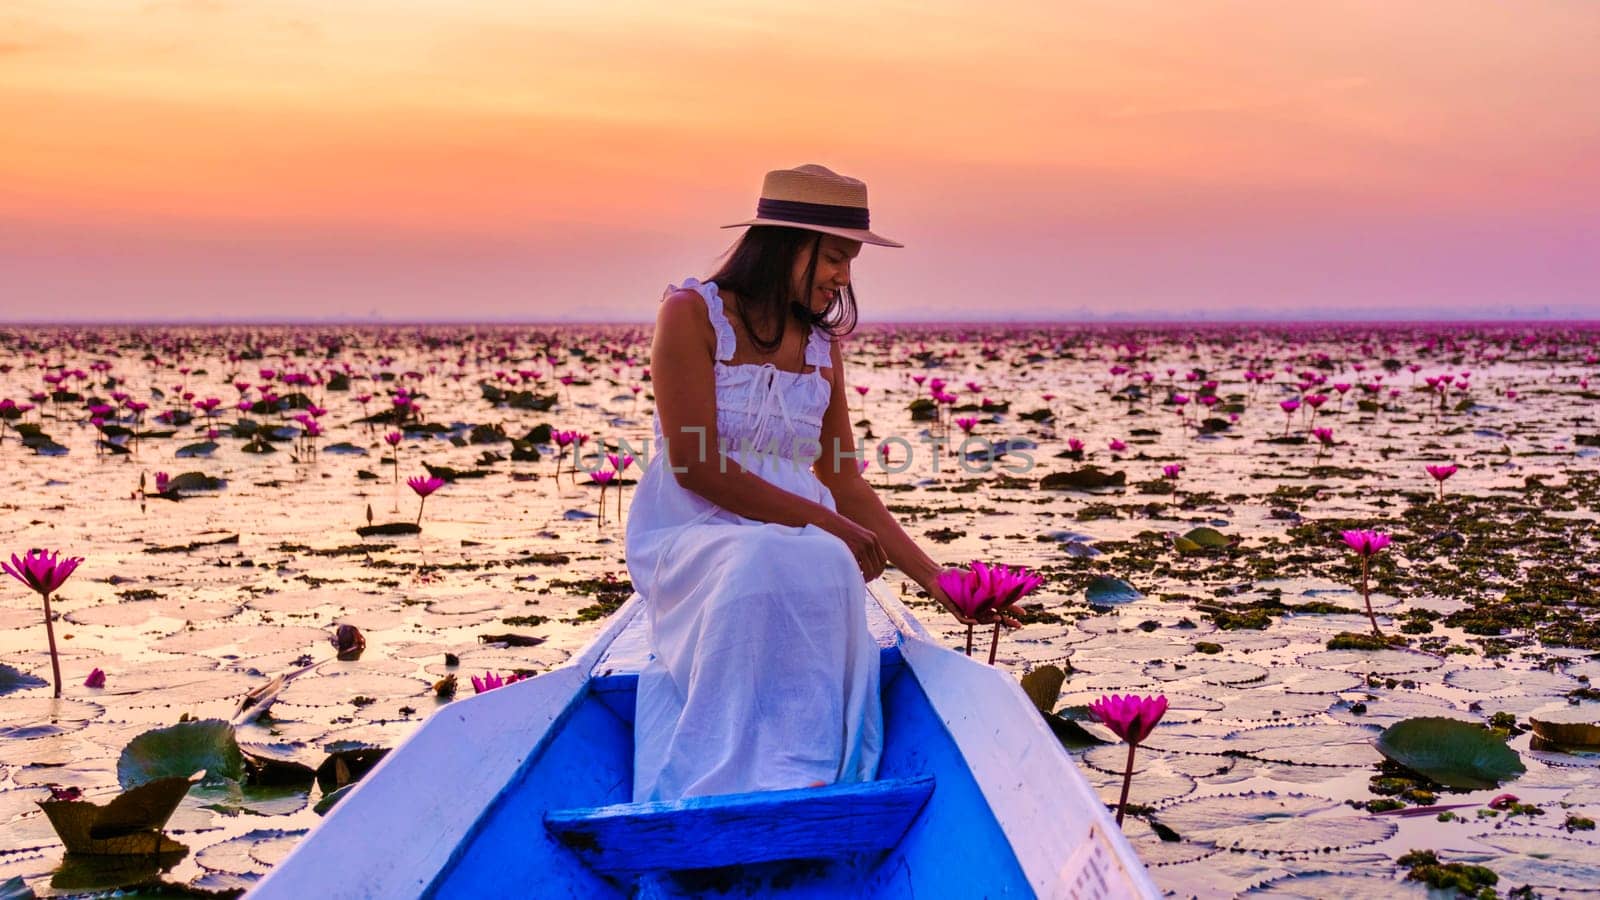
1171	471
602	477
392	438
1368	544
620	463
1440	473
984	592
490	681
1117	446
424	487
163	480
862	389
96	679
45	573
41	571
966	424
1132	719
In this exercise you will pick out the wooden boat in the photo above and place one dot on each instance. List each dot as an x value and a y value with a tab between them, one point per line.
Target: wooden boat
524	791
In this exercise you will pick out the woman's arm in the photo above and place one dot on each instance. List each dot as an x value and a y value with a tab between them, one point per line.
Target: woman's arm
858	502
684	380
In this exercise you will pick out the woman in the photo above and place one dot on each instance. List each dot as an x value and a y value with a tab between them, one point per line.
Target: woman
752	534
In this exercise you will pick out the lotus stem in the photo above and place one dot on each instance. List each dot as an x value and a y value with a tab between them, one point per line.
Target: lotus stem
1366	596
50	635
1127	782
994	640
969	640
421	502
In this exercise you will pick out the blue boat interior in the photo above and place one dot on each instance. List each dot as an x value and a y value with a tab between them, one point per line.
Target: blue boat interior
565	826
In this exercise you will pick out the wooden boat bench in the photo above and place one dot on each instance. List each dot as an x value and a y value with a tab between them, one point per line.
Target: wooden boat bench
836	821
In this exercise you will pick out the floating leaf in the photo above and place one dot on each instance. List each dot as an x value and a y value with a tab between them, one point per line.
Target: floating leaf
1453	753
195	481
204	448
1108	591
1585	735
129	824
1274	823
183	748
14	680
1086	478
251	853
1336	886
329	799
1543	859
1500	681
1202	538
1308	745
1043	686
389	529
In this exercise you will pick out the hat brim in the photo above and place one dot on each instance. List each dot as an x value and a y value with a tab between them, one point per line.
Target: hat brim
854	234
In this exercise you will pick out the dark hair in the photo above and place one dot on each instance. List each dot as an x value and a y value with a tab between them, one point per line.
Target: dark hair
759	269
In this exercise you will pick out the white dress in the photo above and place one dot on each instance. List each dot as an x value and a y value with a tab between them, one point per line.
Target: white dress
762	674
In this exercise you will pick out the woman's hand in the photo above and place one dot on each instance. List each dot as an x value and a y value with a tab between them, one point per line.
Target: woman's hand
861	543
986	618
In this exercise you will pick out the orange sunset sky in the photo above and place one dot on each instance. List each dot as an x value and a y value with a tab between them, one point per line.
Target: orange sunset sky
484	160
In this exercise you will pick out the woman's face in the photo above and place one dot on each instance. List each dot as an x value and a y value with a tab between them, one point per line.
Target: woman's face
833	271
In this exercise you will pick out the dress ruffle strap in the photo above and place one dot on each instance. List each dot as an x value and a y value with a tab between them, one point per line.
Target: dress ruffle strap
819	349
719	321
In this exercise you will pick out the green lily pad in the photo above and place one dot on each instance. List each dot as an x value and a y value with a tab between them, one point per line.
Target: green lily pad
129	824
1108	591
329	799
1453	753
1086	478
204	448
1585	735
14	680
1043	686
179	750
1202	538
195	481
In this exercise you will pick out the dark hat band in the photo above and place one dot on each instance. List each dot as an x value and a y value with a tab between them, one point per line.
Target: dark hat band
824	214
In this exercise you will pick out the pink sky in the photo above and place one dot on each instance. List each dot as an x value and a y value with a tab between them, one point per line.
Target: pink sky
468	159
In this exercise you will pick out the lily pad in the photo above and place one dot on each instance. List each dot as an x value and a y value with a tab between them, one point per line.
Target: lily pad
1043	687
1336	886
1576	734
1106	590
182	749
1086	478
1273	823
1200	539
1319	744
1453	753
195	481
129	824
15	680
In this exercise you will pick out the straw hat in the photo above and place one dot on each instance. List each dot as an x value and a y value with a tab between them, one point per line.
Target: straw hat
817	199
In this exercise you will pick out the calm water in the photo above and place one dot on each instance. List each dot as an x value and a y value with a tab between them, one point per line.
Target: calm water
187	604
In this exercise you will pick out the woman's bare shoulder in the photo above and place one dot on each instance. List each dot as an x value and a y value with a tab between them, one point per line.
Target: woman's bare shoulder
682	319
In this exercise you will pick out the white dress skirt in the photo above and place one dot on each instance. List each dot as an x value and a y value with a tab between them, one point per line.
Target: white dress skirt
762	674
